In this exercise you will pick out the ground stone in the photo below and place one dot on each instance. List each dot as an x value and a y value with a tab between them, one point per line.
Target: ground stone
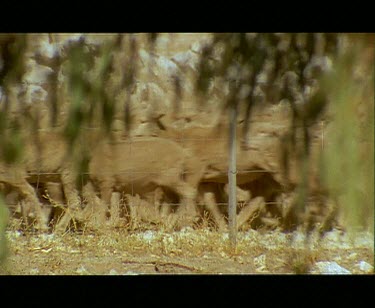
365	267
329	268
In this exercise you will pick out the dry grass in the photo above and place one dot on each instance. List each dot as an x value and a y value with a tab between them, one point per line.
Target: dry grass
192	251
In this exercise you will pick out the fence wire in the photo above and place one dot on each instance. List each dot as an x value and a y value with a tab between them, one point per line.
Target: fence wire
132	174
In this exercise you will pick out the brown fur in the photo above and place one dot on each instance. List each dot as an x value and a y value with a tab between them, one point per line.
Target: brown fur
139	166
46	159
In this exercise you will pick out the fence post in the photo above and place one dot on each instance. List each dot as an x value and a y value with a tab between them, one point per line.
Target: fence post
232	173
322	124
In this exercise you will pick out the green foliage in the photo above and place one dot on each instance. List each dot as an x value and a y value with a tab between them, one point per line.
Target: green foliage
348	165
79	63
4	216
12	148
273	66
12	49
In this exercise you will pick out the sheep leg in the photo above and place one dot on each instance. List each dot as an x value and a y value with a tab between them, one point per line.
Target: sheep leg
187	211
133	203
115	208
250	211
73	202
329	219
210	203
32	203
93	207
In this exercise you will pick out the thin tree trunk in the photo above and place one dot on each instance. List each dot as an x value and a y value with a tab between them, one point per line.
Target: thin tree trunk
232	180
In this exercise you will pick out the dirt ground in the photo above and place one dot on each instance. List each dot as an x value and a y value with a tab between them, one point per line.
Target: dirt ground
189	251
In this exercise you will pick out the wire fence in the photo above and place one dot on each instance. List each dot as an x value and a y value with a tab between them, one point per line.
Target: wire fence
132	175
